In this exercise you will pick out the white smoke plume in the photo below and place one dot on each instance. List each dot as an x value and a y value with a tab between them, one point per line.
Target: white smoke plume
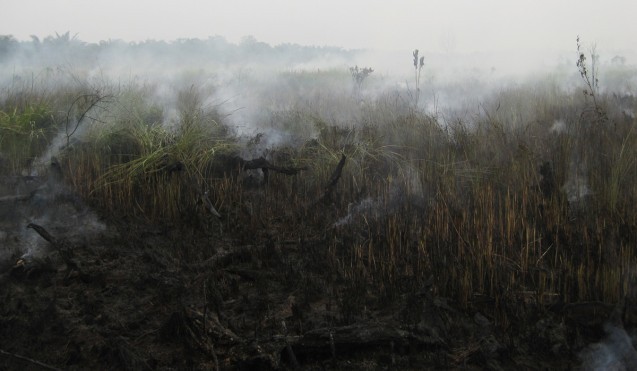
615	352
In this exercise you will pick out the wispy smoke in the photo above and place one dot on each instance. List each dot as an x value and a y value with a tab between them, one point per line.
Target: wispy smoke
615	352
558	127
368	207
46	201
407	188
576	186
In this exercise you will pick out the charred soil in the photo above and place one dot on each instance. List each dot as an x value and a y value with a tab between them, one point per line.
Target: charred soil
134	295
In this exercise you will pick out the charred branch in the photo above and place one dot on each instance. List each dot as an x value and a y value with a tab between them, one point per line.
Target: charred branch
336	175
17	198
43	233
205	200
265	166
62	246
331	184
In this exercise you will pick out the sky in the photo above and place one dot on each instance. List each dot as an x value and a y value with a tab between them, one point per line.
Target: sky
432	25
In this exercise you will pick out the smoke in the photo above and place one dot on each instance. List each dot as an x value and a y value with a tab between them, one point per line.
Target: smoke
44	200
615	352
405	189
274	96
558	127
368	207
250	83
576	187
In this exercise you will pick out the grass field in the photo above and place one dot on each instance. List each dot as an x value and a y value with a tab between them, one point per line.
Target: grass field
523	197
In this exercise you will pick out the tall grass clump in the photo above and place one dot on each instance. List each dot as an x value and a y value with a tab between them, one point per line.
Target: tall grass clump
140	164
526	204
25	133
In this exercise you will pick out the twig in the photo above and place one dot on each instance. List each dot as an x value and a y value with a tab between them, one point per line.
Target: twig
208	204
214	357
293	360
333	347
94	100
31	360
137	339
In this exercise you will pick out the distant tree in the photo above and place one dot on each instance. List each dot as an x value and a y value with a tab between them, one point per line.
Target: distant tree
448	41
8	44
358	76
618	60
251	46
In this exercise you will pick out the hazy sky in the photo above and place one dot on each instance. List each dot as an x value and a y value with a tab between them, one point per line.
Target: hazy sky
432	25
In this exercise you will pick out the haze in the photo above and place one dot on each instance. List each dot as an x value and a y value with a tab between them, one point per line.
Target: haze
433	26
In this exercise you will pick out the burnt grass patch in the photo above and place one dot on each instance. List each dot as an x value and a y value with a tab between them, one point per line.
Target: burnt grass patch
354	232
282	287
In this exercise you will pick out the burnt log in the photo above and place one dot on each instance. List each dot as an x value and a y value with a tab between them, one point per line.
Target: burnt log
266	166
329	343
43	233
262	163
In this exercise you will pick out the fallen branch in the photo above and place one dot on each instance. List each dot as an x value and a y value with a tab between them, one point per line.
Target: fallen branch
15	198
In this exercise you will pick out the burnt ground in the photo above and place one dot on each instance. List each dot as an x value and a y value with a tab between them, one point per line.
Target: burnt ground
126	295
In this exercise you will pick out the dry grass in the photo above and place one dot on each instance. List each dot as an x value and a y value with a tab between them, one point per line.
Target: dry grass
463	202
